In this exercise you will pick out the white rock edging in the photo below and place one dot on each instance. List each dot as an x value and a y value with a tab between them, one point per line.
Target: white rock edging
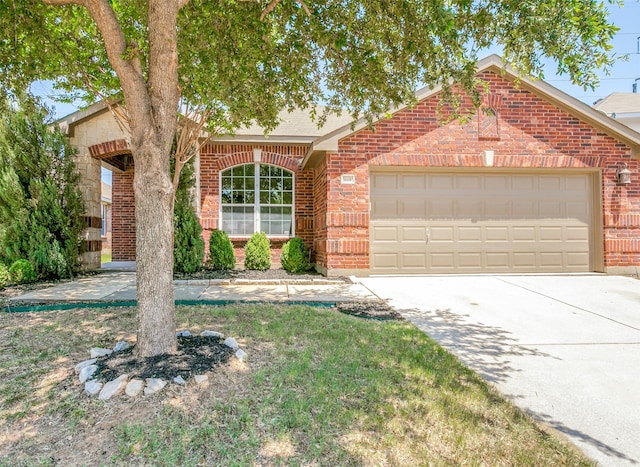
87	369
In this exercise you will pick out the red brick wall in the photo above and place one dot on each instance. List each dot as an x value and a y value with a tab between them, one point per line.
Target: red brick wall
530	133
320	215
123	233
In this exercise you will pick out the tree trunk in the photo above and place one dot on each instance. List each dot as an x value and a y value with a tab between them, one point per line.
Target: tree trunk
154	251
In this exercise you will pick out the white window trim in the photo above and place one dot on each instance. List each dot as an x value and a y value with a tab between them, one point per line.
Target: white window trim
256	201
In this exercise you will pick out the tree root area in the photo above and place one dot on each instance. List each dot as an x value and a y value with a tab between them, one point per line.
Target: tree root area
195	355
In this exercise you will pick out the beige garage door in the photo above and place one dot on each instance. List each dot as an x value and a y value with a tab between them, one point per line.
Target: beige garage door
481	222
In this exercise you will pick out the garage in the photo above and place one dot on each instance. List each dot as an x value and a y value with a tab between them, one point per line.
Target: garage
435	222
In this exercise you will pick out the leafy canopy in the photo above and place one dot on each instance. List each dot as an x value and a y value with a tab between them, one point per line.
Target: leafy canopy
360	55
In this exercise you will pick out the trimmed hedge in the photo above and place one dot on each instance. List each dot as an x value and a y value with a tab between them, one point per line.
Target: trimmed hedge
22	271
221	254
295	256
257	252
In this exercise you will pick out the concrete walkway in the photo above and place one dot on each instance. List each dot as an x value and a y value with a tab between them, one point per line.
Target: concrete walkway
121	286
564	348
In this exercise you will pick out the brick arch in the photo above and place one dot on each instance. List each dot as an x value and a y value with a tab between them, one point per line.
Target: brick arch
271	158
110	148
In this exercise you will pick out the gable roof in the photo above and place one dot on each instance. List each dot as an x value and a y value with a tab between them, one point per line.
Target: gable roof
295	127
619	103
580	110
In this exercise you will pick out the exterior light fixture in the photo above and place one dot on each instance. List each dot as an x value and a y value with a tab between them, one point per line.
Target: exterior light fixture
623	175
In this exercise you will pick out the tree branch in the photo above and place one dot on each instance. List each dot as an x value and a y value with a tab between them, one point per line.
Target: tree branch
129	69
274	3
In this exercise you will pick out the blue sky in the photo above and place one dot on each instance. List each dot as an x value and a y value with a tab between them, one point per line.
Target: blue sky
620	79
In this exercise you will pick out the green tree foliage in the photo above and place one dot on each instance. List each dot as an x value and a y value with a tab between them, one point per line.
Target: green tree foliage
188	245
257	252
221	254
244	61
295	256
41	207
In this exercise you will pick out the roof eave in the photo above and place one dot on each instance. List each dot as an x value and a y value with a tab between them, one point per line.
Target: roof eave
329	142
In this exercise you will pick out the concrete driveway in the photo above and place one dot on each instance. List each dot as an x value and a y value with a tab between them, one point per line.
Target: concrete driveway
564	348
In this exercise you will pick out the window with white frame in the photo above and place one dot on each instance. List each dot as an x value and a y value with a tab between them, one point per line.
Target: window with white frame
256	197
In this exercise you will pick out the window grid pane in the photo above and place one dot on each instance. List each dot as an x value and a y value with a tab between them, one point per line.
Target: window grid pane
276	220
275	200
237	220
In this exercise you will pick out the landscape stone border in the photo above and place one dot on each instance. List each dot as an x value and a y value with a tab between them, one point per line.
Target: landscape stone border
134	387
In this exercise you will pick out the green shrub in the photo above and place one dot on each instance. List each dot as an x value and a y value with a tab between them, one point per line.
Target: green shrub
188	244
257	252
4	275
221	255
294	256
22	271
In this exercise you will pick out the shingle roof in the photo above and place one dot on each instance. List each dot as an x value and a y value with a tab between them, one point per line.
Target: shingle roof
619	103
294	126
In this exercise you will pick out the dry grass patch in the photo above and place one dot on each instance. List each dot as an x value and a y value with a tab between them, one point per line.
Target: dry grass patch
319	388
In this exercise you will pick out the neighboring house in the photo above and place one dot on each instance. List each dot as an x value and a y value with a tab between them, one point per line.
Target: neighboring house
528	184
105	210
622	106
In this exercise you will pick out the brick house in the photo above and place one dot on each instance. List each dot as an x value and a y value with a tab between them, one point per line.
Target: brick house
528	184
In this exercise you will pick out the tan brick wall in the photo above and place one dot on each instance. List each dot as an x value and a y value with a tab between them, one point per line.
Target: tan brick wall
99	128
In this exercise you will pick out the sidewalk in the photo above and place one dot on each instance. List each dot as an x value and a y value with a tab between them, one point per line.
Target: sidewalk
120	286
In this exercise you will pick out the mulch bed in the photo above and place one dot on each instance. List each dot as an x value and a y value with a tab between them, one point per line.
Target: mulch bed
270	274
196	355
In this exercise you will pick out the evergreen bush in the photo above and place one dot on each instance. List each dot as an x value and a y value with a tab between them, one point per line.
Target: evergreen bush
221	254
4	275
257	252
41	207
188	244
22	271
294	256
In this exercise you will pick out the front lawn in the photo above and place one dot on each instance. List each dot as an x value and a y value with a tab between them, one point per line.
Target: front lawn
319	388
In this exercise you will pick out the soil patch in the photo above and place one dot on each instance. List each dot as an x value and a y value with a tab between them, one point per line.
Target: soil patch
196	355
373	309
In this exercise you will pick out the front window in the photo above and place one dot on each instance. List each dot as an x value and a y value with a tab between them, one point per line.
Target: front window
257	197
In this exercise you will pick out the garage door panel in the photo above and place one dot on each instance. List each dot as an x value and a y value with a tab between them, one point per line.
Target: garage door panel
414	182
441	182
470	260
412	208
441	234
523	234
470	234
577	234
499	234
414	234
447	223
382	233
414	261
550	210
551	234
497	260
